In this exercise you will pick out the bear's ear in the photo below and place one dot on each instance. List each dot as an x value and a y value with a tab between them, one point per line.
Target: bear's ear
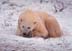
19	21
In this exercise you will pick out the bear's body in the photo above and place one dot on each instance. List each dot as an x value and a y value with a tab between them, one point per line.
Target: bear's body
38	24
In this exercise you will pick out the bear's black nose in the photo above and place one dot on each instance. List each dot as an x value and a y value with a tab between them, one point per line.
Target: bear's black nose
27	35
24	33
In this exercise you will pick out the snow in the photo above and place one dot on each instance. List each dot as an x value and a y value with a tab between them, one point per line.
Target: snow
9	13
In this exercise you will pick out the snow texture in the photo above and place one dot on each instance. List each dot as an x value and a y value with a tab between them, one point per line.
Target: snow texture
9	13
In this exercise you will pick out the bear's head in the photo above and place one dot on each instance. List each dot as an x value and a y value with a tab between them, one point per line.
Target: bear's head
27	24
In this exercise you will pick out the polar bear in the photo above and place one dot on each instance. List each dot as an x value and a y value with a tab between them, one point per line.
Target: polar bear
38	24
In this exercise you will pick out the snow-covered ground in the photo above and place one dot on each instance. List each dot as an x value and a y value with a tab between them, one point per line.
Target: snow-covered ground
9	13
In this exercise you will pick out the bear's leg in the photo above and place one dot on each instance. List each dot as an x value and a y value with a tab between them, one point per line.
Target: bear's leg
53	27
40	31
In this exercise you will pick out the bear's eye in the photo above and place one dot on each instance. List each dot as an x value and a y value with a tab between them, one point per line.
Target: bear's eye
21	20
35	22
28	27
22	26
33	30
